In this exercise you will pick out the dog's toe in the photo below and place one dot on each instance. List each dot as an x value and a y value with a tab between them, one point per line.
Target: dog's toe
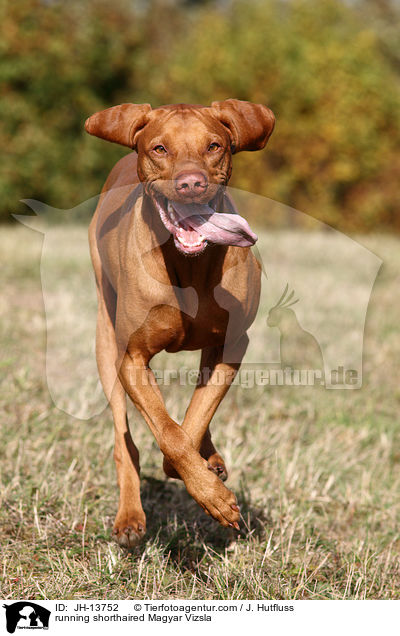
216	464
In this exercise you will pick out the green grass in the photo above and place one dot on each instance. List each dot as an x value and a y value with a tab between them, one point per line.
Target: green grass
317	473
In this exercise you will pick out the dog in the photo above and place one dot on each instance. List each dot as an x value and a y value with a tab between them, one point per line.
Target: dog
174	271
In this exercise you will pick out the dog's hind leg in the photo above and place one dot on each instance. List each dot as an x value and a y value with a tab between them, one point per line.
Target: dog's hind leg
130	522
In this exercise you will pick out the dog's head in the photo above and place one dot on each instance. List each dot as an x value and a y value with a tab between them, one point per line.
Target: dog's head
185	157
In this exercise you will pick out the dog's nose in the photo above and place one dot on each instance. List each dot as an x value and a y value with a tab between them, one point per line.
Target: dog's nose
191	183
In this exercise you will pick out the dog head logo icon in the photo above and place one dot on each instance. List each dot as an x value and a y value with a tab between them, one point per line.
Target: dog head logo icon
26	615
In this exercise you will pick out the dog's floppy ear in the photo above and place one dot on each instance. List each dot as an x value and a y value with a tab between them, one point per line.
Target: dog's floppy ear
250	125
119	124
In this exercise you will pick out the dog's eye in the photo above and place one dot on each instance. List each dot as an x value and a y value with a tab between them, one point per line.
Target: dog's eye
213	147
160	150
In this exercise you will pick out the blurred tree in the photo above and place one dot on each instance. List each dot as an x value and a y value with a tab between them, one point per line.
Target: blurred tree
59	62
385	16
329	73
334	153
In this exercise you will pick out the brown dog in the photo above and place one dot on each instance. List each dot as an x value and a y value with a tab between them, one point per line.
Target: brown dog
153	296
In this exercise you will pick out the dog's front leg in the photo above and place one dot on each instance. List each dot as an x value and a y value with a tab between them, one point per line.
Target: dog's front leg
174	442
216	376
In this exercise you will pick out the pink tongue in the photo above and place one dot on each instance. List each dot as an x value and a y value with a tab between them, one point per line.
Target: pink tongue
216	227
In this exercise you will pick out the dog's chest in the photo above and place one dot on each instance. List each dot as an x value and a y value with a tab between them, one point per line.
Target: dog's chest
205	327
197	303
211	318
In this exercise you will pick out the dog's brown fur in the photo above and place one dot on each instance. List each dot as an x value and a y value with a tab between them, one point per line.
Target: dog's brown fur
153	297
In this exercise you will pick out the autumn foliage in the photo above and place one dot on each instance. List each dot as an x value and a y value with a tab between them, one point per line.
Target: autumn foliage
330	72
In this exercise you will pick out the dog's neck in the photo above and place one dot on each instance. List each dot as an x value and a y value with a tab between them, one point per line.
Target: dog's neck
159	252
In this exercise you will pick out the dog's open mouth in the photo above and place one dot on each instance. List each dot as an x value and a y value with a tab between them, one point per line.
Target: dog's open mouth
194	225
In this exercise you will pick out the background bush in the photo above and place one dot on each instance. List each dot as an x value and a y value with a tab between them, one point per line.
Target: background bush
329	70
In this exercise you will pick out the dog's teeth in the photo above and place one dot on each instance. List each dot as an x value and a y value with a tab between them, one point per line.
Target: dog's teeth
171	209
172	213
185	244
180	231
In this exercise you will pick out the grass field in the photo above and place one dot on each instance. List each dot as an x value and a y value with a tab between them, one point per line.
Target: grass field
317	473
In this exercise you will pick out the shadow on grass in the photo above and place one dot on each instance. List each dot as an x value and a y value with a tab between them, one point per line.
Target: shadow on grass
184	532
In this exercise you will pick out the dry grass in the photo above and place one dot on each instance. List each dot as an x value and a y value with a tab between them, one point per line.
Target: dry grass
317	473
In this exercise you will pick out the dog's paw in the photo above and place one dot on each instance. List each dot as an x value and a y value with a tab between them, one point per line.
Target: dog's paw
215	499
129	530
